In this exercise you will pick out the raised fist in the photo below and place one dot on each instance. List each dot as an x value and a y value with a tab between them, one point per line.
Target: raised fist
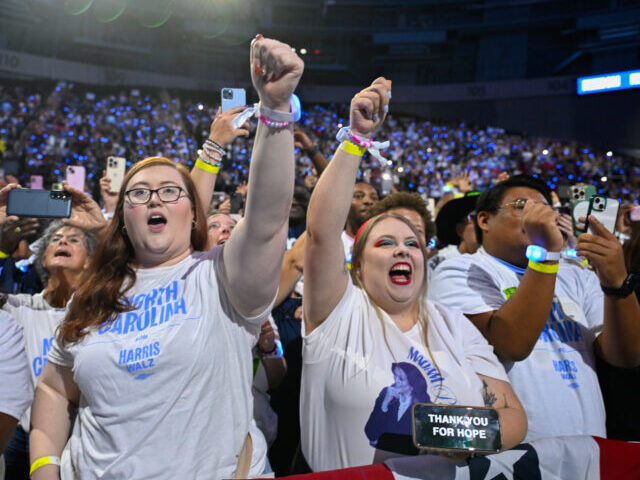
275	72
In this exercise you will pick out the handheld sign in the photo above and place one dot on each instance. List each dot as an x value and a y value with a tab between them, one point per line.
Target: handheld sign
456	428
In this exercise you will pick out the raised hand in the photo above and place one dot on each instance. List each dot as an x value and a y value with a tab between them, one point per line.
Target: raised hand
565	224
4	195
302	141
12	231
266	342
109	198
275	72
604	252
85	212
540	222
222	131
462	182
369	108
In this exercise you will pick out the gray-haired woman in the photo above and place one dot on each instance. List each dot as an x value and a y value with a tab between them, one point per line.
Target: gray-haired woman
61	259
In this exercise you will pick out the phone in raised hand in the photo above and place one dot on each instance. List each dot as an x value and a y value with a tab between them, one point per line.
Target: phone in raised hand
605	210
116	167
232	97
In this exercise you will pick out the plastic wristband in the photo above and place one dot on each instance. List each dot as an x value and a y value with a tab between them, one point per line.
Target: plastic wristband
3	255
543	267
207	167
353	149
42	461
277	351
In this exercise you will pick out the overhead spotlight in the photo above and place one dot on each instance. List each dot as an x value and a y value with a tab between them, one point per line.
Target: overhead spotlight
303	51
609	153
603	179
200	106
400	169
545	152
293	50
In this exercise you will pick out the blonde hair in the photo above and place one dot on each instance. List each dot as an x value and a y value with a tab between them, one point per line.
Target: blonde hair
356	258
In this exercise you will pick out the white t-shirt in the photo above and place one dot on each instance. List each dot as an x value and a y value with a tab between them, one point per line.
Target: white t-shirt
348	370
347	243
39	321
557	382
166	389
15	391
447	252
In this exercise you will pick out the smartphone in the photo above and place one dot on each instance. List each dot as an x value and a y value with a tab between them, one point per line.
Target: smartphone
75	176
232	97
387	182
453	428
634	214
218	197
581	192
57	186
236	202
116	167
605	210
24	202
36	182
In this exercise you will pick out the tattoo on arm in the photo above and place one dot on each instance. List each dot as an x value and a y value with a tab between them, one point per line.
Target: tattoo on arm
488	397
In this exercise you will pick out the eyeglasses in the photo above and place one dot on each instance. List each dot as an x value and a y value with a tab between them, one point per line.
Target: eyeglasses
142	196
75	238
519	203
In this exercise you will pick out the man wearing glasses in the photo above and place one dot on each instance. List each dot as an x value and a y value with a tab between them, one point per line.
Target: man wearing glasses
546	319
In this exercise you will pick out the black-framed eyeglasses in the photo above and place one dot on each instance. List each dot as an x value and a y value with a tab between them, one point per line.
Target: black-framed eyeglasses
142	196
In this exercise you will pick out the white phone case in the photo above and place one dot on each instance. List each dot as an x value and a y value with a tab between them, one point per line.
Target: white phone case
605	210
116	167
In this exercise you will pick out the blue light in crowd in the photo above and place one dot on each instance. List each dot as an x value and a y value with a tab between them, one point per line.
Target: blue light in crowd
570	177
411	185
601	190
432	243
90	175
571	252
56	171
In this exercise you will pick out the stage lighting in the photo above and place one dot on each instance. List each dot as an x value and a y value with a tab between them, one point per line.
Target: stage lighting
303	51
608	82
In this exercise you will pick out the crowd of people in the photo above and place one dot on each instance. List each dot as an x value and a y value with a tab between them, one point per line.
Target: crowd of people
44	132
292	323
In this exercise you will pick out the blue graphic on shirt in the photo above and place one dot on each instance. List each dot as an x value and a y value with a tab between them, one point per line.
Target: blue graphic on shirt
562	329
152	309
389	425
39	362
159	307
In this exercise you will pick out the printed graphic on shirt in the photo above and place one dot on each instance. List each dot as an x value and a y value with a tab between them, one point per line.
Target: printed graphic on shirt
39	362
389	425
565	336
161	307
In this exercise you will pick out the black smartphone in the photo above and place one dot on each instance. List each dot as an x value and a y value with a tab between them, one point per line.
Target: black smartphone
236	202
456	428
23	202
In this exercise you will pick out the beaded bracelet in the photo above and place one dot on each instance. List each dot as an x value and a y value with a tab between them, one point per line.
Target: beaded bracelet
206	158
211	146
273	124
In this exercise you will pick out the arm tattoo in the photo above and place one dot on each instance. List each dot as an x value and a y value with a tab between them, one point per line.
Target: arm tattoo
488	397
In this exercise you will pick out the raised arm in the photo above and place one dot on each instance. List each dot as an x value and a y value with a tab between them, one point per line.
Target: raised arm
514	329
619	342
56	397
222	133
252	257
325	275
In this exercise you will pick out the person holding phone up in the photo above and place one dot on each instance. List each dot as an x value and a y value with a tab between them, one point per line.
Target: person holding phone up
156	345
373	344
546	319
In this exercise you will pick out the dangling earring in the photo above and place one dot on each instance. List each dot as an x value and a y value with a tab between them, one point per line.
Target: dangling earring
193	225
124	230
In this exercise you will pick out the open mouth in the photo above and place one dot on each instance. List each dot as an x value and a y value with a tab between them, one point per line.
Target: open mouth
400	273
156	221
62	253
